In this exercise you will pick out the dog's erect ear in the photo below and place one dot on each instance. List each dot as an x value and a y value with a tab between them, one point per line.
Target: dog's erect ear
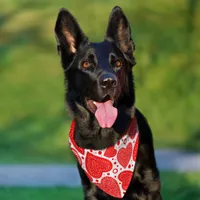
119	31
69	35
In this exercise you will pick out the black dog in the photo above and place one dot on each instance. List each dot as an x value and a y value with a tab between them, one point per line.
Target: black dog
100	94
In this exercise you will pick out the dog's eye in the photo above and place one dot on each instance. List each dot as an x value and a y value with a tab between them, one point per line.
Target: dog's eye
85	64
118	64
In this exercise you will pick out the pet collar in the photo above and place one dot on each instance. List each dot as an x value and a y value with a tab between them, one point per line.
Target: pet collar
111	169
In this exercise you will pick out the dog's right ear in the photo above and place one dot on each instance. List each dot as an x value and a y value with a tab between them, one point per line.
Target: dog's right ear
119	31
69	36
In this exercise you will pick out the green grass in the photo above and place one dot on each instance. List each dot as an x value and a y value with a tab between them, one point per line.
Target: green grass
33	122
180	186
40	193
175	186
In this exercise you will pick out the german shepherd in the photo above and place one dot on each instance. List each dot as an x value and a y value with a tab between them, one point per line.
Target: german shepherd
101	97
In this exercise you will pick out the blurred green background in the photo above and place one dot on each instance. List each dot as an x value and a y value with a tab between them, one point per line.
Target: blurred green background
34	123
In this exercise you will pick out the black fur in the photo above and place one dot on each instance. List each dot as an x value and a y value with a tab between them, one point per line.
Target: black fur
85	84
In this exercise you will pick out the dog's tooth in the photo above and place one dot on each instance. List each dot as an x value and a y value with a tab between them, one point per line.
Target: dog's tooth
94	102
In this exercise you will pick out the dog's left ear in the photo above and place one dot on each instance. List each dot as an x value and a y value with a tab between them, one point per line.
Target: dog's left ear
69	36
119	31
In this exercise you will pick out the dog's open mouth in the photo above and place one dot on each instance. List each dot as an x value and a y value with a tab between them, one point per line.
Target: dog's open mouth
104	112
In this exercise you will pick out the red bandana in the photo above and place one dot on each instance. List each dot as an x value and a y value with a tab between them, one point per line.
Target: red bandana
110	169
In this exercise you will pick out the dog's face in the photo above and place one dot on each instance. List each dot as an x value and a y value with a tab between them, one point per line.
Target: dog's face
97	74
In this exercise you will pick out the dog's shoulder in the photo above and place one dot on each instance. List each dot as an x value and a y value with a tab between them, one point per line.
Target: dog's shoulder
144	128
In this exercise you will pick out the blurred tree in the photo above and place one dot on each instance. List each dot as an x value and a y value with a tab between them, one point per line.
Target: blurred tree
190	29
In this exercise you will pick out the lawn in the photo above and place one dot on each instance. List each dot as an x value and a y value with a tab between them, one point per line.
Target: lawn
175	186
41	194
34	123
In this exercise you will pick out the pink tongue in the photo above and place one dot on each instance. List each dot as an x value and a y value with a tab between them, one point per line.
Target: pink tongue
106	114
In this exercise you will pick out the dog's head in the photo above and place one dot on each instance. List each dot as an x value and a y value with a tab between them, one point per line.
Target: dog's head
98	75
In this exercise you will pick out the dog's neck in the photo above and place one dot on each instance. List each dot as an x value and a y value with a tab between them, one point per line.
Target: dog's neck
88	133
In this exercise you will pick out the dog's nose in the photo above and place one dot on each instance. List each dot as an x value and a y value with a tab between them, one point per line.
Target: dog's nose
108	81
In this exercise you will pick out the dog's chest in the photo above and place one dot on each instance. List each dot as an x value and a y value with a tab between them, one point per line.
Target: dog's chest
111	169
